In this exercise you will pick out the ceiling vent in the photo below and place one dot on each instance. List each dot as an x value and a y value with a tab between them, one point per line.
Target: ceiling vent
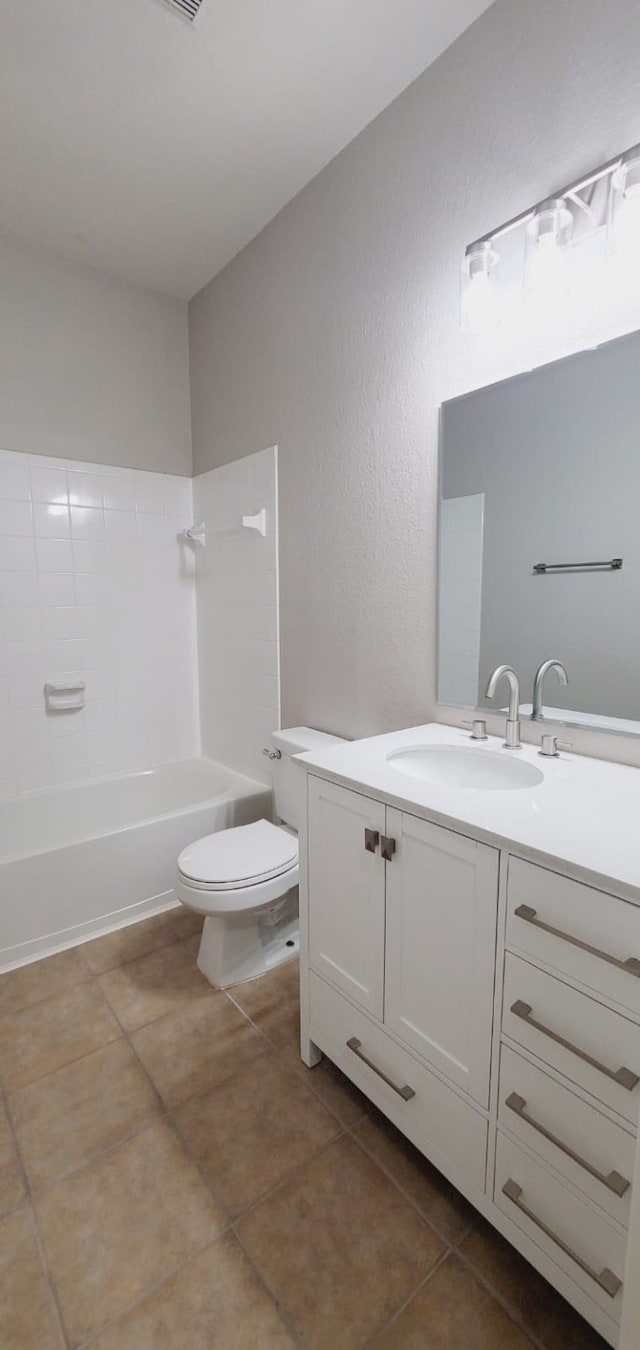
188	9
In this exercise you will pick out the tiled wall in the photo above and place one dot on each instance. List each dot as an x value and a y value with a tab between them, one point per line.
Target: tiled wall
237	583
460	598
94	584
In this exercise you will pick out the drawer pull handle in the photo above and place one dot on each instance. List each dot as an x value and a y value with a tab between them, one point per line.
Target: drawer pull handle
405	1092
387	847
613	1181
624	1077
631	965
605	1279
371	840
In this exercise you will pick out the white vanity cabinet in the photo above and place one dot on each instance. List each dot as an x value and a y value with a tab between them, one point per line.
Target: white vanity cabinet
490	1007
401	922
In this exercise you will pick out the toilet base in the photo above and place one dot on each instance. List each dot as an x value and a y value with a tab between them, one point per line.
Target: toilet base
239	946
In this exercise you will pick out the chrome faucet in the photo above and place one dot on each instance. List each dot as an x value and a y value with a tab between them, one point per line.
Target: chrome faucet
512	729
537	714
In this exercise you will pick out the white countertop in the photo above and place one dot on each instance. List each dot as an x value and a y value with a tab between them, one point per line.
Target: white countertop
583	818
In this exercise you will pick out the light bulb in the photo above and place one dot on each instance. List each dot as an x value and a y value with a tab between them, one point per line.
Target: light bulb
480	311
547	265
548	234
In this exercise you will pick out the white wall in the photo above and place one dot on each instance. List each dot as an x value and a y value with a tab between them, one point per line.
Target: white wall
237	586
91	368
336	334
94	585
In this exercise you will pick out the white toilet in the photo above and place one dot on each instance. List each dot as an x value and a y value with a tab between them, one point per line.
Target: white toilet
245	879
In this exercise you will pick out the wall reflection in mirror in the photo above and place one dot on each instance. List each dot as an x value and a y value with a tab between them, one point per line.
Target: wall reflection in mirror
540	539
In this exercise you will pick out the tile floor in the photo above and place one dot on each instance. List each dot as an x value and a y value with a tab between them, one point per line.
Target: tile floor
173	1178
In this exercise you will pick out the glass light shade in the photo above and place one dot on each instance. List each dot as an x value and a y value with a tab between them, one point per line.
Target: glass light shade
479	306
624	214
548	236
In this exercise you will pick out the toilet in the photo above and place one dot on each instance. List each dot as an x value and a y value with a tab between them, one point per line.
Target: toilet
245	879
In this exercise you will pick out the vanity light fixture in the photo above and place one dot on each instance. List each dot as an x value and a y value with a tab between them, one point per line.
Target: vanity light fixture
604	202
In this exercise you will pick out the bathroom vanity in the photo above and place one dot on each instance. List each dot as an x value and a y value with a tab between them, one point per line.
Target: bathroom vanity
470	959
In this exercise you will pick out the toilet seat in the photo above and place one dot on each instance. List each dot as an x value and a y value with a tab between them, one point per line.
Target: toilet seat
239	858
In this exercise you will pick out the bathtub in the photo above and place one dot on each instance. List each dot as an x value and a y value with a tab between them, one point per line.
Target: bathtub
79	861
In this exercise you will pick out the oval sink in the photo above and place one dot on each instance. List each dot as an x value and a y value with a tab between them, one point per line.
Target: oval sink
462	767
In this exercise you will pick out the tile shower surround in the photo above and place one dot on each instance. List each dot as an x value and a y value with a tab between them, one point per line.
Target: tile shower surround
94	585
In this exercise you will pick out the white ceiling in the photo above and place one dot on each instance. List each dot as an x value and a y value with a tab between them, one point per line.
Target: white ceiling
136	142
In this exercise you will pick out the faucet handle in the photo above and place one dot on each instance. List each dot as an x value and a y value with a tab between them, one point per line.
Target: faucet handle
550	746
478	729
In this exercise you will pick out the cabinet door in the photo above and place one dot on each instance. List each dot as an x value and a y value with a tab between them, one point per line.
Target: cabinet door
442	901
346	892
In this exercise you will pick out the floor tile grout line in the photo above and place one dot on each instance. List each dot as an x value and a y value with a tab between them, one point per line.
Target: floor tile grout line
40	1190
37	1002
37	1191
168	1112
17	1087
42	1077
247	1209
499	1298
128	960
49	1280
433	1270
31	1208
190	1153
131	1031
431	1223
151	1289
310	1085
288	1326
4	1104
211	1087
289	1176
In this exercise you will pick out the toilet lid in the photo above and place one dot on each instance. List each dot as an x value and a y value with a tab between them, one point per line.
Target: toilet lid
242	856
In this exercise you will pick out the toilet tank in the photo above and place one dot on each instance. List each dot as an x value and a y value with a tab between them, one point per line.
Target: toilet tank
288	778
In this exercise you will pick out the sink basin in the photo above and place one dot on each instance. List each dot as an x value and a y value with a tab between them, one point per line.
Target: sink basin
466	767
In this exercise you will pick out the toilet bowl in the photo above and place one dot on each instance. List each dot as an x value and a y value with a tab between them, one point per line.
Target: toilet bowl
244	879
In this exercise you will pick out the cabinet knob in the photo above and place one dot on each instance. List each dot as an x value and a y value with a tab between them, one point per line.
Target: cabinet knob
371	840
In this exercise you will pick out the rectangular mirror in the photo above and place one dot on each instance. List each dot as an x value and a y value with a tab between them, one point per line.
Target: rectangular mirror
540	538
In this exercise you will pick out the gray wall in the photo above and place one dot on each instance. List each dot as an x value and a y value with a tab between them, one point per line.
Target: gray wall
555	453
335	334
91	368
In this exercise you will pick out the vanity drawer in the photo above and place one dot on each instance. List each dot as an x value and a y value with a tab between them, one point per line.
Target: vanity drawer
586	934
589	1044
443	1126
593	1153
578	1238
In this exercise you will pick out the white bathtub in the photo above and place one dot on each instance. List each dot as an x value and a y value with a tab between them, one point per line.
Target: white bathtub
79	861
